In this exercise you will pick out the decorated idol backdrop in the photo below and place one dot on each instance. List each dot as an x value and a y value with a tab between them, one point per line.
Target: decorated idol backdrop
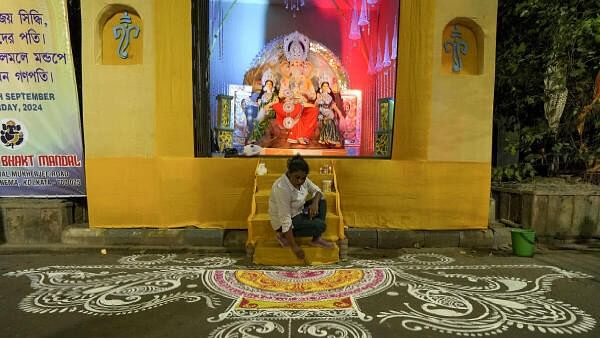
41	152
304	75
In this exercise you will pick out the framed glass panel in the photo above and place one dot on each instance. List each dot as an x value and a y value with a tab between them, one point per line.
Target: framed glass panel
299	75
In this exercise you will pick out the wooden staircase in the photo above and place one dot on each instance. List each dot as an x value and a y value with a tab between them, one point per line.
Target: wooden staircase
262	246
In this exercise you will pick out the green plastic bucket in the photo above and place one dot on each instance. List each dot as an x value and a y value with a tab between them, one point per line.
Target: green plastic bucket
523	242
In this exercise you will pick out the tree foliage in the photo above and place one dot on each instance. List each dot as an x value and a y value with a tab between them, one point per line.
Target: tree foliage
534	35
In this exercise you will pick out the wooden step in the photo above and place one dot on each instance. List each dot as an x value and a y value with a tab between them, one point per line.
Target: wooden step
262	230
271	253
265	182
262	202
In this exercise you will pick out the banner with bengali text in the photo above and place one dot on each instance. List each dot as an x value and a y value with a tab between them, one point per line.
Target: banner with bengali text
41	152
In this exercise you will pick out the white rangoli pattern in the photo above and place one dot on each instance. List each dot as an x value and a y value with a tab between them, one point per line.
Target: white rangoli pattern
431	294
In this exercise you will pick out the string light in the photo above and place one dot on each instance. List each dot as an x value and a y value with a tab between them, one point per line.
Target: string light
293	6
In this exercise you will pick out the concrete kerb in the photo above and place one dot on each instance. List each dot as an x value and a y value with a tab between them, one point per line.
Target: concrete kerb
442	239
81	238
7	249
501	236
476	239
235	238
144	237
364	238
398	239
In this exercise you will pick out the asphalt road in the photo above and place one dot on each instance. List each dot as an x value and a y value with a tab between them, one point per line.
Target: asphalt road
420	293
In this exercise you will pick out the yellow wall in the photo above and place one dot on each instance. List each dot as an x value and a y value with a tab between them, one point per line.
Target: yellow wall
169	192
414	194
461	114
118	101
413	86
139	133
174	120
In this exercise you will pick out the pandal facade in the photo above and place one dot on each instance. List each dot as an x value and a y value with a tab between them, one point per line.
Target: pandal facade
141	166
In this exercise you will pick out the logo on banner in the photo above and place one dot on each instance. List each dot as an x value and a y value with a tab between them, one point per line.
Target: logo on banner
12	134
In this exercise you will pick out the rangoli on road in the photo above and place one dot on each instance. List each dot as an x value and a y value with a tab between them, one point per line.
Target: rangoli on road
427	291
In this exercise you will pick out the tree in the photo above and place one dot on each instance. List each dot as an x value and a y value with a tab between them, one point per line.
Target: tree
548	55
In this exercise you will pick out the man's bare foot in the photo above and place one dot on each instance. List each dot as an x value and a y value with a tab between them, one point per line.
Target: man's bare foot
320	242
282	240
298	252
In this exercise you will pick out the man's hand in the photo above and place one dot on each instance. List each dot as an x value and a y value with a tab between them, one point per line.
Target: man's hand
313	209
296	249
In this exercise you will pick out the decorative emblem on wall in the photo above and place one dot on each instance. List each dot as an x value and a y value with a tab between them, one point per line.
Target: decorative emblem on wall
224	129
414	292
382	144
351	122
124	30
12	133
383	135
458	47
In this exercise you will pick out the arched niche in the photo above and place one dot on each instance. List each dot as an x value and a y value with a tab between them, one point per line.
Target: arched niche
462	48
120	36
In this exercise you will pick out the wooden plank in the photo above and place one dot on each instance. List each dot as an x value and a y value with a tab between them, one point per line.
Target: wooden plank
496	197
539	214
596	206
583	216
515	208
526	210
504	205
566	216
553	218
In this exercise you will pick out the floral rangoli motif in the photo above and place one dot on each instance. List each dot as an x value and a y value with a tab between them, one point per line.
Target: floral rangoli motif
433	294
